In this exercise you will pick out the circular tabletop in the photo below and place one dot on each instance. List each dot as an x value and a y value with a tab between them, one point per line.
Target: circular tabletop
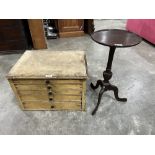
116	37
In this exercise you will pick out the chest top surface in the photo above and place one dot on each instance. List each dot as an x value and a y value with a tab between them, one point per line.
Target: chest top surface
50	64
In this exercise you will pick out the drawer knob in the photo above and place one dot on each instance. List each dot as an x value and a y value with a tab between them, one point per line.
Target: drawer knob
49	87
51	99
50	93
47	82
52	106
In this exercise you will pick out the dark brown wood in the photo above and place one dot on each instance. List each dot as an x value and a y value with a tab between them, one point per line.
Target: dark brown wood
116	37
71	27
13	35
89	26
37	33
56	24
112	38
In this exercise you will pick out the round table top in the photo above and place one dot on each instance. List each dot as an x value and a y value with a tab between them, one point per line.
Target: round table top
116	37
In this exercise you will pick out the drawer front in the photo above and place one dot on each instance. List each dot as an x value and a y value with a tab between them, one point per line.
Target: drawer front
55	86
32	87
35	97
50	98
36	81
50	94
55	106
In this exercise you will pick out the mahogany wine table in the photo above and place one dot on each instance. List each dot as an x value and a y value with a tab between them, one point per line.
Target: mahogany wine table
114	38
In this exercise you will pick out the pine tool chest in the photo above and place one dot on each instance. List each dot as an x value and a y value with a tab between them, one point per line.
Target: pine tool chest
50	80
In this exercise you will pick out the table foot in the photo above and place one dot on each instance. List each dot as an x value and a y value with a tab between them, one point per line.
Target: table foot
99	100
115	90
105	86
99	83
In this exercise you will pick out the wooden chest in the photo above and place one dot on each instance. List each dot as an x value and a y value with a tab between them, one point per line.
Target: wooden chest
50	80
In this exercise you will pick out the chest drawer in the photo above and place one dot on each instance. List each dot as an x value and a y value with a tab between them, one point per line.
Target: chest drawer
49	94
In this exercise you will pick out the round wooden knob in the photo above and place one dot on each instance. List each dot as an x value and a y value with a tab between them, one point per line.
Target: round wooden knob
52	106
47	82
49	87
51	99
50	93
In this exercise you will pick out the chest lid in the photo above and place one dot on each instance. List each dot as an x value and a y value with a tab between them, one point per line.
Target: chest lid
50	64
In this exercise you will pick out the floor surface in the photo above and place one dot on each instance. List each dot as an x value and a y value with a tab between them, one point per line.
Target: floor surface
133	73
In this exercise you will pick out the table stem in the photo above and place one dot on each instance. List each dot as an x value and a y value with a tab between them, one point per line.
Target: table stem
110	58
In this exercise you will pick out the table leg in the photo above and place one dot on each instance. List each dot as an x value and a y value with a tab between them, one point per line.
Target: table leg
99	100
99	83
115	89
105	84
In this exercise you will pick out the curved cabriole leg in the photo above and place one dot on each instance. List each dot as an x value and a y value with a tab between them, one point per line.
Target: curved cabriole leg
99	83
99	100
115	89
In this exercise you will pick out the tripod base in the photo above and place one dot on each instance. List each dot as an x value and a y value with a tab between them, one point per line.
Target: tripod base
105	86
